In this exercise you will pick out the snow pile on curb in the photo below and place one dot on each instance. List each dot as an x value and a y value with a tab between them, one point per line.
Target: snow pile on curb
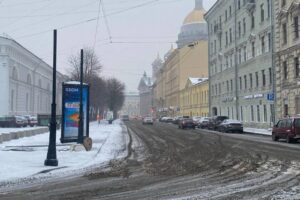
258	131
109	142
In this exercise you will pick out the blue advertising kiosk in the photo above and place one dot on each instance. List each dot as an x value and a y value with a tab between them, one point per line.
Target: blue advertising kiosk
71	110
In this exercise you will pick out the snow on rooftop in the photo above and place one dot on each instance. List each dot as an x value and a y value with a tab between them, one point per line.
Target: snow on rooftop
196	81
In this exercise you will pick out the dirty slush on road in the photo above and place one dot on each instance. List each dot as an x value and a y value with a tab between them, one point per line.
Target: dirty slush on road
167	163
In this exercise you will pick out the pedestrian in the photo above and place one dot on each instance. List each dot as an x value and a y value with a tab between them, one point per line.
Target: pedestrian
98	119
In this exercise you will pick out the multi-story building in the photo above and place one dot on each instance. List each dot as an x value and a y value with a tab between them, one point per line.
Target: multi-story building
131	106
240	61
26	81
188	60
146	96
287	40
194	97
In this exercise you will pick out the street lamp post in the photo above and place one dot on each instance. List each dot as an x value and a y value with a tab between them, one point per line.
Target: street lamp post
80	128
51	155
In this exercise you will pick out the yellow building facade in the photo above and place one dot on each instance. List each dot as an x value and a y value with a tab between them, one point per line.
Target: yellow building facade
194	98
190	59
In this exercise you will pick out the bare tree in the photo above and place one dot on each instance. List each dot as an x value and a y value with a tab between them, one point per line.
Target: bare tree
91	65
115	95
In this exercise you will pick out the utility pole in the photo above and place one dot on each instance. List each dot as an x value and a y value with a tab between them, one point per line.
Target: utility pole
80	128
51	155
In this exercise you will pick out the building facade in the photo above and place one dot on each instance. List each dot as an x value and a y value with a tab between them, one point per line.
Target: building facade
287	15
194	98
131	105
146	96
26	81
241	61
188	60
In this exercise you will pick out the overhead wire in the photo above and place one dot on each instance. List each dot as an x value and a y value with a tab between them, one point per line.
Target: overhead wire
105	20
97	24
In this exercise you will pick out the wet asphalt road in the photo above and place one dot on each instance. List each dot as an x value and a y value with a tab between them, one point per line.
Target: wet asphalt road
165	162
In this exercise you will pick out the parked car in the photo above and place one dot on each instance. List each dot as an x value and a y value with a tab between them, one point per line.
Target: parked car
32	121
11	121
288	128
178	118
186	123
167	119
215	121
148	120
231	125
196	119
203	122
124	118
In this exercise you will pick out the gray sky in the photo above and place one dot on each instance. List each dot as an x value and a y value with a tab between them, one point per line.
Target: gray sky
139	29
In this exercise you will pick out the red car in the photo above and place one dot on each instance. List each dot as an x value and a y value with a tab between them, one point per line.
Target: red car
288	128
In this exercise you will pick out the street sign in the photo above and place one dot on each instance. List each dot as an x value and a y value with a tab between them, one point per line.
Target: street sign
70	111
270	96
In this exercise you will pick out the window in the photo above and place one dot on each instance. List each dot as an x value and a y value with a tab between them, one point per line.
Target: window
285	70
263	77
230	11
270	76
226	38
240	83
245	81
253	49
270	42
262	13
258	113
239	4
251	80
265	113
230	35
263	44
12	96
283	3
215	46
227	86
252	114
252	20
256	77
286	109
226	15
296	27
296	61
239	29
231	85
27	102
269	8
242	114
245	53
284	33
240	56
220	89
244	26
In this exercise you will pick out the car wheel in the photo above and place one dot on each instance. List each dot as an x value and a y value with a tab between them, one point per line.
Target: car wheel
274	137
289	139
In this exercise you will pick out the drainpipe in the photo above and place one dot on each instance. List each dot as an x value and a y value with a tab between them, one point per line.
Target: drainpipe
235	63
273	112
209	74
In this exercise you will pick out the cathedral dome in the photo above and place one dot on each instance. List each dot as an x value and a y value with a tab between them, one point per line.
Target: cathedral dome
194	27
196	16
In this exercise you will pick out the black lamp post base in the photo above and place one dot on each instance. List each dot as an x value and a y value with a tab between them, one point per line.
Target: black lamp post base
51	162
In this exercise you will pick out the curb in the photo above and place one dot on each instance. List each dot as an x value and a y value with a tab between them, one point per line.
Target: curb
20	134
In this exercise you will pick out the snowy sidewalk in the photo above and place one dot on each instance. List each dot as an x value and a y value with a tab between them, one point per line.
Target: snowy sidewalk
17	165
258	131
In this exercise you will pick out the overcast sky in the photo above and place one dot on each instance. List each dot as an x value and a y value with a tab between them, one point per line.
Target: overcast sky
139	29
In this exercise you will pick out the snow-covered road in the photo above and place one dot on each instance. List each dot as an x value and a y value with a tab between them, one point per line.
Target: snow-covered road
24	164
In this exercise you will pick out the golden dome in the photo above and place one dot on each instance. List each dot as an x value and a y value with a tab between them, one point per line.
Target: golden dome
196	16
